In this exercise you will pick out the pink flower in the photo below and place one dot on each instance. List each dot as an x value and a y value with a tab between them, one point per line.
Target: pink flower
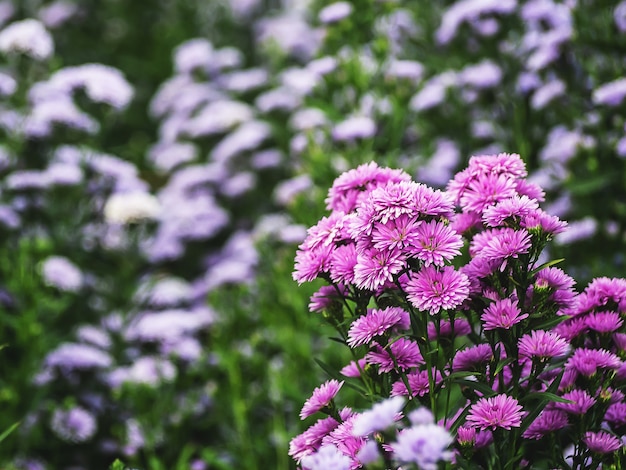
500	411
399	233
517	207
354	368
418	382
540	344
548	421
436	243
582	401
321	398
587	361
432	290
342	262
310	263
374	268
604	322
486	190
601	442
507	243
376	323
502	314
469	358
404	355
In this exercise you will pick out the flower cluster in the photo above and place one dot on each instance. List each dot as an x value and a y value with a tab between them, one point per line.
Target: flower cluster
502	350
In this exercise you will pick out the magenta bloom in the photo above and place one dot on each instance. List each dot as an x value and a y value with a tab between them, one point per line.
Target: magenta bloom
542	345
587	361
486	190
350	186
459	327
548	421
398	233
502	314
616	414
436	243
310	440
326	296
376	323
500	411
468	359
354	368
418	381
310	263
433	290
374	268
393	200
601	442
604	322
517	207
560	284
507	243
321	398
582	401
342	263
406	353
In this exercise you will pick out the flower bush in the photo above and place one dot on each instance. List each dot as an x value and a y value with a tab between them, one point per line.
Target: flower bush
449	306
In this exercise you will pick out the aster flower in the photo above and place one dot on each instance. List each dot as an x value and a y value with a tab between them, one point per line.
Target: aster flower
394	199
327	296
542	345
486	190
402	354
321	398
587	361
310	440
381	416
582	401
458	327
469	358
74	425
328	457
616	414
354	368
374	268
517	207
424	445
312	263
343	438
507	243
399	233
433	290
326	232
603	322
604	292
376	323
502	314
418	382
601	442
342	263
59	272
435	243
500	411
548	421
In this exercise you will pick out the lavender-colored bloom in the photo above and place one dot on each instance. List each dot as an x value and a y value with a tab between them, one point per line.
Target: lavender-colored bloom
28	37
587	361
582	402
57	13
435	243
619	16
424	445
145	370
59	272
546	93
500	411
244	80
610	94
60	111
433	92
63	174
167	156
169	325
335	12
322	397
375	267
193	54
380	417
165	292
419	384
357	127
353	369
286	191
71	356
73	425
291	33
281	98
433	290
218	117
94	335
328	457
485	74
405	69
9	218
249	136
8	85
601	442
577	230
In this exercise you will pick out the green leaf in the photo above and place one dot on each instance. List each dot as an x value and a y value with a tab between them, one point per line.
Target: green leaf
502	364
530	417
485	389
544	396
546	265
333	374
117	465
11	428
549	323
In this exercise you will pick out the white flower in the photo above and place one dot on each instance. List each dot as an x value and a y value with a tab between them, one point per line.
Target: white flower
29	37
123	208
380	417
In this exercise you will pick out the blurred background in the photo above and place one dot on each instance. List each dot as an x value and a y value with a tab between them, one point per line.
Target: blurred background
160	162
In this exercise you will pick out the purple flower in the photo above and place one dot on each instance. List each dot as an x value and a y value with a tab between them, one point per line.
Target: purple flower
548	421
516	208
601	442
587	361
619	15
435	243
310	440
335	12
433	290
28	37
73	425
381	416
354	369
506	243
356	127
424	445
310	263
616	414
469	358
604	322
502	314
487	189
485	74
70	356
374	267
321	398
418	383
610	94
546	93
59	272
582	401
328	457
458	327
402	354
399	233
376	323
500	411
343	438
542	345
